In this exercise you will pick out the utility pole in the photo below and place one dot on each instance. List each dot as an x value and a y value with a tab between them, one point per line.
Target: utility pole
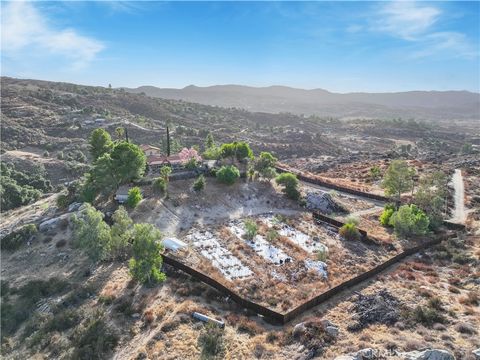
126	134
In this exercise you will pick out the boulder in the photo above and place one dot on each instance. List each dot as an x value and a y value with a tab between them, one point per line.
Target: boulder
364	354
74	206
49	224
476	354
429	354
332	331
323	202
299	329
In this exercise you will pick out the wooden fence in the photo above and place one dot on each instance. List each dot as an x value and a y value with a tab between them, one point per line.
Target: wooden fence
280	318
317	181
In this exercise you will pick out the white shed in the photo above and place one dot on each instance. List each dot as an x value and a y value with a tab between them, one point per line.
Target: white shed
173	244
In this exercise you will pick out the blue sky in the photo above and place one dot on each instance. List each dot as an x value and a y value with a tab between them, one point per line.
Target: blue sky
338	46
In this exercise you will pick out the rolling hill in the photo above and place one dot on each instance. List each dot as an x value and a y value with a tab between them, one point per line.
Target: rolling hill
425	105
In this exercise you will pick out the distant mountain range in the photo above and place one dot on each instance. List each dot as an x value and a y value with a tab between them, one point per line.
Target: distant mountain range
428	105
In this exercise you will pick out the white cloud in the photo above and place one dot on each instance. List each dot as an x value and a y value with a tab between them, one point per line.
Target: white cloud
25	28
451	43
419	25
406	19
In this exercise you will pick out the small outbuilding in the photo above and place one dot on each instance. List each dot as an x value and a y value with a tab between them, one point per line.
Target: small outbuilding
122	194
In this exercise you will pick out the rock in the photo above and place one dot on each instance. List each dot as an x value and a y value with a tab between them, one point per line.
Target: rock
49	224
322	201
476	354
74	206
429	354
364	354
332	331
299	329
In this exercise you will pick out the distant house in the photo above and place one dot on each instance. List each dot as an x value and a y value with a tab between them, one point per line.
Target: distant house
155	163
122	194
150	150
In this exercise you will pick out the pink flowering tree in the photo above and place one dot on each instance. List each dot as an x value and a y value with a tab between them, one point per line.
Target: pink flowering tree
189	156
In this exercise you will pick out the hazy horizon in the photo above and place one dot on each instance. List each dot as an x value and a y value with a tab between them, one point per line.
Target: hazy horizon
341	47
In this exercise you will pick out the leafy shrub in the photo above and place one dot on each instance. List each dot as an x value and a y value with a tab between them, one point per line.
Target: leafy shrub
251	229
211	341
265	165
19	188
91	233
14	314
228	174
18	237
63	321
212	153
191	164
272	235
386	215
322	255
147	259
290	185
95	341
199	183
375	173
349	231
63	201
134	197
121	234
428	316
160	185
409	220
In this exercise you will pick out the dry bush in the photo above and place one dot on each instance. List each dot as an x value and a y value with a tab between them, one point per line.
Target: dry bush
465	328
244	324
454	289
148	317
424	292
170	325
472	298
272	337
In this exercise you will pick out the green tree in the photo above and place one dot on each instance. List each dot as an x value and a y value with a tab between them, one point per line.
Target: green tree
134	197
159	185
265	165
165	172
228	151
120	132
243	151
397	179
409	220
100	143
103	176
386	215
122	233
91	233
147	259
466	149
129	162
431	197
228	174
209	141
199	183
290	185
